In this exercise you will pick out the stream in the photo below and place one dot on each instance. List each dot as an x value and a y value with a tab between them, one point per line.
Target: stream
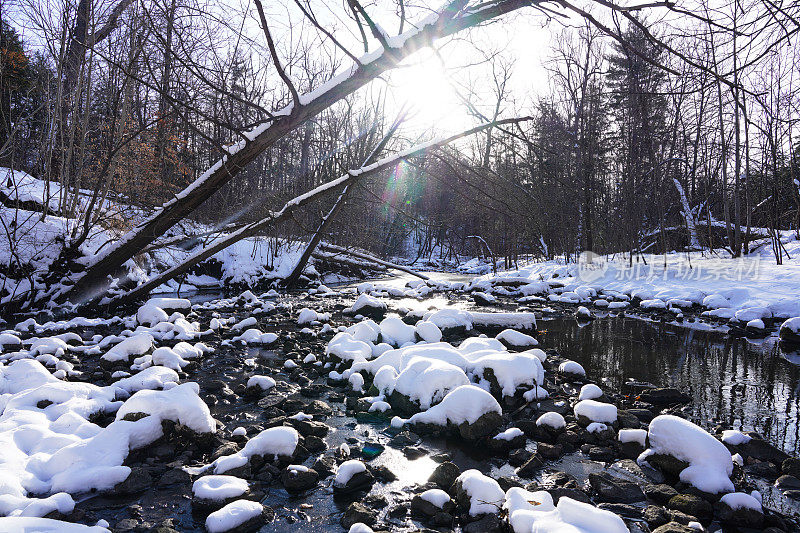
734	382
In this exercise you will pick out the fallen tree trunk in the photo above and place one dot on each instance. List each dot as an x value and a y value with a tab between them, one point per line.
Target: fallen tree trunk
337	258
291	281
367	257
288	209
453	18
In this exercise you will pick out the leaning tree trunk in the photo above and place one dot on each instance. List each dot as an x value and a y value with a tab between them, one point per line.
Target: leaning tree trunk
93	280
288	209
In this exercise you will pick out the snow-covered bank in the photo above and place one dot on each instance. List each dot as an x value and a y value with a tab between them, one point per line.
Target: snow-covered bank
743	289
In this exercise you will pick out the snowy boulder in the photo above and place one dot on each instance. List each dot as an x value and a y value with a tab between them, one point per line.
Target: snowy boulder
468	411
574	517
590	391
171	305
589	411
309	316
240	515
344	348
396	332
506	372
215	491
352	476
169	358
483	298
451	320
423	383
632	442
516	339
430	503
790	330
368	306
10	342
740	510
180	404
428	331
510	439
523	507
149	315
255	336
583	313
571	370
681	448
478	494
277	443
549	426
258	384
135	346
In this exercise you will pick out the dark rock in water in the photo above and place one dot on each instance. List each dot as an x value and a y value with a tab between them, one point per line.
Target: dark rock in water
572	493
404	438
518	457
486	425
531	466
644	415
296	480
788	482
358	512
742	517
661	493
667	463
445	474
758	448
549	451
664	396
414	452
613	489
691	505
601	453
622	509
489	523
628	420
325	465
763	469
481	299
173	477
309	427
791	466
655	516
674	527
631	449
315	444
137	481
382	473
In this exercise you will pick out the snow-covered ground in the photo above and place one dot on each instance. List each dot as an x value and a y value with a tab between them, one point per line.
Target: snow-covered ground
747	288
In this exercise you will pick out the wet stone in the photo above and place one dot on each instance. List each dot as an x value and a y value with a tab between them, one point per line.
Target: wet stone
445	474
691	505
358	512
614	489
660	493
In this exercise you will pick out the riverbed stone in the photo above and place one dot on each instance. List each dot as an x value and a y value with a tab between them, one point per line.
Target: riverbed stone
445	474
660	493
674	527
358	512
742	517
663	396
615	490
294	480
691	505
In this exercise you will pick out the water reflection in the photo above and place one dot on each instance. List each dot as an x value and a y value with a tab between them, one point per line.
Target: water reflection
736	382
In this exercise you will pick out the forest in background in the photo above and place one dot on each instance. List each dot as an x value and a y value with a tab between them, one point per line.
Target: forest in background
656	132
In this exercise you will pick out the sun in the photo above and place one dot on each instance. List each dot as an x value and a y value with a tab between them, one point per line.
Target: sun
426	91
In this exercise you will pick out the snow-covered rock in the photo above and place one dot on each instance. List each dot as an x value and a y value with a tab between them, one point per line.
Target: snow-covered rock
235	514
516	339
682	448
